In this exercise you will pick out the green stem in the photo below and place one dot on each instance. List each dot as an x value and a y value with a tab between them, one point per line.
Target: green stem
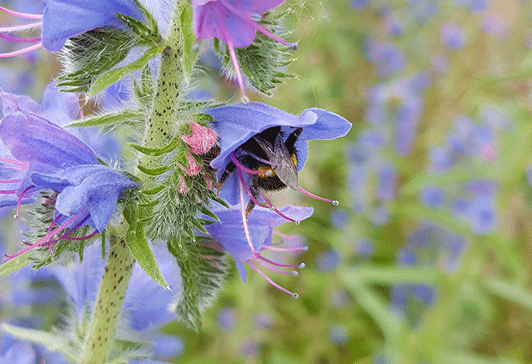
159	131
101	335
162	121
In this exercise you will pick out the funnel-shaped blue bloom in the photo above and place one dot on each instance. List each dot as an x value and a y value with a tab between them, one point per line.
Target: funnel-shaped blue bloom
238	123
39	155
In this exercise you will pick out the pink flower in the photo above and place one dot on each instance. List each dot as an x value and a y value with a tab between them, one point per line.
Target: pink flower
201	138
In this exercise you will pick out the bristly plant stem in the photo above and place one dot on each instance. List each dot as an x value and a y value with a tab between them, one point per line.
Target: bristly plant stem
160	126
101	335
161	123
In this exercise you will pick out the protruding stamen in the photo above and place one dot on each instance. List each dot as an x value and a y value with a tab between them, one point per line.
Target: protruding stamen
7	192
248	192
79	238
245	223
285	250
334	202
14	161
275	264
19	202
11	181
21	15
273	269
54	222
21	51
242	167
12	38
17	28
294	295
278	212
265	161
46	239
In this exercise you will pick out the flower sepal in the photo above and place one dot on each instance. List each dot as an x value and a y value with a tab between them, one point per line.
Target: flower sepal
89	57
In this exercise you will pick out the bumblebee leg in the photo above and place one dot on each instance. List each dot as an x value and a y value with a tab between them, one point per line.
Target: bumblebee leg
251	203
231	167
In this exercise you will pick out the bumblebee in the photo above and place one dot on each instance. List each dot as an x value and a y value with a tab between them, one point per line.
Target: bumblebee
270	159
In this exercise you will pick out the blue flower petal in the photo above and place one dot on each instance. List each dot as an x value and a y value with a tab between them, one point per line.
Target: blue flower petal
94	186
64	19
229	230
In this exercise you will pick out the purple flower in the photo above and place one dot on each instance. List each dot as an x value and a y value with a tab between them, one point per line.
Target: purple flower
245	242
387	183
63	19
387	57
432	196
226	319
44	156
231	21
453	36
328	260
278	141
359	4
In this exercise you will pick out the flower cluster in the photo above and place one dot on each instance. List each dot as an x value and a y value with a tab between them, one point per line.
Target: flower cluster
41	156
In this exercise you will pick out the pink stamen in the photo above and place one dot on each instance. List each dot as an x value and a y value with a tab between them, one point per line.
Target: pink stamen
21	51
273	269
46	239
12	38
334	202
242	167
294	295
277	211
253	24
285	250
19	203
261	160
14	161
18	28
11	181
302	265
54	222
245	223
248	192
284	236
21	15
7	192
78	238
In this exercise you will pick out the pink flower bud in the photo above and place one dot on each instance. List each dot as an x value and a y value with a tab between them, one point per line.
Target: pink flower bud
201	138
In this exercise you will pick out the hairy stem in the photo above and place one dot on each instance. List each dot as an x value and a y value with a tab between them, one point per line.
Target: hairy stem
162	120
101	335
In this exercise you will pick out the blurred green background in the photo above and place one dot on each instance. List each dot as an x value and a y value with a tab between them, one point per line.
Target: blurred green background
427	257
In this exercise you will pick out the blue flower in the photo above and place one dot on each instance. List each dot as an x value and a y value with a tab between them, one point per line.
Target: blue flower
239	123
245	243
63	19
44	156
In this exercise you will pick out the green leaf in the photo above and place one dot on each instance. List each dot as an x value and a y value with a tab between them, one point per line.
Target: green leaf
202	279
14	264
152	191
114	75
376	307
156	151
391	275
146	35
140	248
510	292
154	171
108	119
189	38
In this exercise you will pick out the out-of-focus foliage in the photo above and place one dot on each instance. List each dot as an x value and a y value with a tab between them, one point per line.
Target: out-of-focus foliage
427	257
